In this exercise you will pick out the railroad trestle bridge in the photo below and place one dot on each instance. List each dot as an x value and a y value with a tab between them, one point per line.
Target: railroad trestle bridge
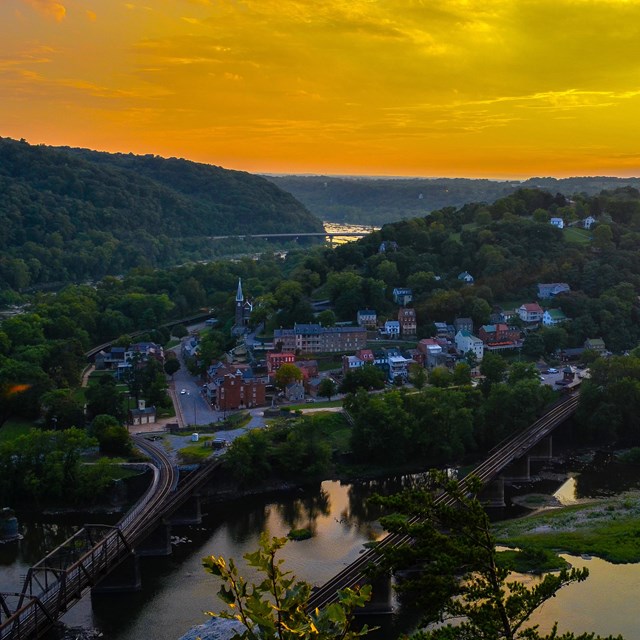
88	559
100	557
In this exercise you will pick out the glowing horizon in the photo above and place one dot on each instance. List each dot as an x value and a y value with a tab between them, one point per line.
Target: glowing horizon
494	89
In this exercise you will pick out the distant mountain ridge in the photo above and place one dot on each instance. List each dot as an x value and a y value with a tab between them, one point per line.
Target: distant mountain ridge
365	200
71	214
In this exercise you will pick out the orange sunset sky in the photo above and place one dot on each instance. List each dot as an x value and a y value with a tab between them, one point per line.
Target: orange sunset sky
475	88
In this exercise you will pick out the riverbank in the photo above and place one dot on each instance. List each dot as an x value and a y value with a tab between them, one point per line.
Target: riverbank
607	528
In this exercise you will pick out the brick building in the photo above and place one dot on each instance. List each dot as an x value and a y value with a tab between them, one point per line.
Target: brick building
313	338
236	392
276	360
408	322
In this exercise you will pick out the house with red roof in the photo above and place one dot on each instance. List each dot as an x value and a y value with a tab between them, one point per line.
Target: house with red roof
530	312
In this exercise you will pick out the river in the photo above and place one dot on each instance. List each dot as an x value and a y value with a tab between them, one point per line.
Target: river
176	590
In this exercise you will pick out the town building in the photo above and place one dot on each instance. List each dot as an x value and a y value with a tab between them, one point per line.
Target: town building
236	392
143	351
367	318
466	277
309	368
500	336
432	350
398	367
313	338
595	344
408	321
552	289
294	392
557	222
444	330
392	328
142	414
552	317
530	312
366	355
350	363
463	324
402	296
466	342
276	359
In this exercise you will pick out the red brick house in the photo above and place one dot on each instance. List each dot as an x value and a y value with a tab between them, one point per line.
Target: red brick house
408	322
234	392
276	360
498	333
309	368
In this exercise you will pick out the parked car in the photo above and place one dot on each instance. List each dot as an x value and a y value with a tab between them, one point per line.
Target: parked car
553	370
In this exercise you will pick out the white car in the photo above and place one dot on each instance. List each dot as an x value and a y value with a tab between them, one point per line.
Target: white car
553	371
183	392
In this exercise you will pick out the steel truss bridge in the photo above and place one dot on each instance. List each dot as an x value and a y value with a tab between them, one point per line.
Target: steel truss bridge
64	576
58	581
356	574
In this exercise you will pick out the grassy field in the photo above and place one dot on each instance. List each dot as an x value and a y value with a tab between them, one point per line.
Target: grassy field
574	234
196	452
316	405
609	529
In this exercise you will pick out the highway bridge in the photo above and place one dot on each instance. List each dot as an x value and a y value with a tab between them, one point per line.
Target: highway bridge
330	235
58	581
502	456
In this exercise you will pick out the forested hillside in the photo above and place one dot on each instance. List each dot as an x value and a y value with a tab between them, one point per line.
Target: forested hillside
378	201
72	214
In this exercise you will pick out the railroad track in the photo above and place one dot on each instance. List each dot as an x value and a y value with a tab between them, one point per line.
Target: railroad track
43	601
355	574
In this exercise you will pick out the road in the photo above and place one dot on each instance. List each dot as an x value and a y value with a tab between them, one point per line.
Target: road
194	407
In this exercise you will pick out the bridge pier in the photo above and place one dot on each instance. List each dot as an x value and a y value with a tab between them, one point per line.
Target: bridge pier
123	578
381	601
157	543
492	495
190	512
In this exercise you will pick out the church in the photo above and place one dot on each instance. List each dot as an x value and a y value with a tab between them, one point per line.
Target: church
243	312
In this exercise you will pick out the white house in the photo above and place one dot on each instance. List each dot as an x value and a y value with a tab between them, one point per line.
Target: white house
349	363
466	341
557	222
588	222
551	289
398	366
552	317
530	312
465	276
392	328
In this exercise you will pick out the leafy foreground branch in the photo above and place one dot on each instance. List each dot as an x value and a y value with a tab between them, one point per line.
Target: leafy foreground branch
460	583
276	609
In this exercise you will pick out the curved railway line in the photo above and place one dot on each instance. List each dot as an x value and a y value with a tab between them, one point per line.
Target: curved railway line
59	580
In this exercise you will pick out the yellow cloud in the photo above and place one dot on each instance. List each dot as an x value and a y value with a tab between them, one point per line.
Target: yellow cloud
51	8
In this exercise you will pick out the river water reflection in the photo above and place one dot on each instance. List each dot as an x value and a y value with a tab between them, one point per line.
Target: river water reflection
176	590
